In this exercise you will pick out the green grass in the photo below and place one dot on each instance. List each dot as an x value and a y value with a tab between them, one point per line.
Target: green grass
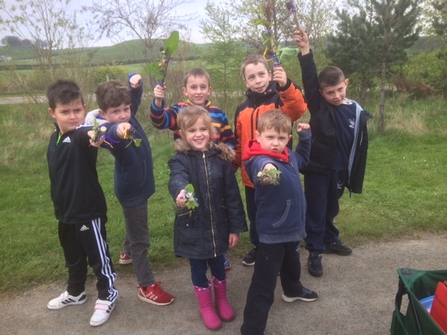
404	192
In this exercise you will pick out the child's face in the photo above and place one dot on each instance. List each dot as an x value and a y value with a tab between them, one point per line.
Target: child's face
197	90
70	116
271	140
118	114
335	95
257	77
197	136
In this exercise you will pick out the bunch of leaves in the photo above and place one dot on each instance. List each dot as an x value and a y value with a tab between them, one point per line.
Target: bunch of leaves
129	135
269	177
190	198
98	131
273	50
160	69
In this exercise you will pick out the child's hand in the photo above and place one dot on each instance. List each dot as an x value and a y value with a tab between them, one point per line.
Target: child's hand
122	129
270	166
233	238
302	126
181	199
96	144
135	81
279	75
269	175
302	41
159	95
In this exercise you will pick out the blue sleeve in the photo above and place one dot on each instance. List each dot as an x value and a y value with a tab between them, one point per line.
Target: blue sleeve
135	95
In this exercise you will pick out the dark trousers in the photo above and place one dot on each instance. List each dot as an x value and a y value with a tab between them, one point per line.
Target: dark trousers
271	259
322	193
137	241
199	267
251	213
84	243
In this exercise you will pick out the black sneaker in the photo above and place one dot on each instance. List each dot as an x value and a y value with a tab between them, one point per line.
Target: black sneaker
306	295
338	248
314	264
250	258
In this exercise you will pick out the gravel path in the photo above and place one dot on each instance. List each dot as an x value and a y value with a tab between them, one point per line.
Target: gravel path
356	297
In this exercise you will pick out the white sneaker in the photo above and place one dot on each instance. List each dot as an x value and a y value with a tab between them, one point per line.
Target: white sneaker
103	309
66	299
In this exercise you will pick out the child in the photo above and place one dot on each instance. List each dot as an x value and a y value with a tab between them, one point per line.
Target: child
197	89
214	216
134	177
262	95
338	155
79	203
280	215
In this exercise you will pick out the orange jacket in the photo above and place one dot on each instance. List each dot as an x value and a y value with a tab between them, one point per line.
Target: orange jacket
289	99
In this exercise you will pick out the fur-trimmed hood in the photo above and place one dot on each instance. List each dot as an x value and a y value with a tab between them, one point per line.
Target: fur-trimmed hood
225	152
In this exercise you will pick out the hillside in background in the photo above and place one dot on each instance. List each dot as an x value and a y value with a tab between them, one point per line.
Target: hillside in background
128	52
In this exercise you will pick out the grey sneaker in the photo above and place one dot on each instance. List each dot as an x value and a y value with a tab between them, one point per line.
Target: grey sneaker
306	295
314	265
250	258
337	248
66	299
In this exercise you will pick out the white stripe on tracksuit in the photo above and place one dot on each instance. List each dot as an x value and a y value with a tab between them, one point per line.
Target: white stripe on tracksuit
106	269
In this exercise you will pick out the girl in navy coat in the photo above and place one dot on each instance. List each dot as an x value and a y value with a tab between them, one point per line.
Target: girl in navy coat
211	214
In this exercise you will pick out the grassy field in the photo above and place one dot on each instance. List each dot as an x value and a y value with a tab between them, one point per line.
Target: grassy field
404	191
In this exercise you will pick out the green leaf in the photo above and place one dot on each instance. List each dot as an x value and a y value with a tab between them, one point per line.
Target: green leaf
189	188
137	142
154	69
287	54
171	43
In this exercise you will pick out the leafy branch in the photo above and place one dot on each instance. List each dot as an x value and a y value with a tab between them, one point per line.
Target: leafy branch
160	69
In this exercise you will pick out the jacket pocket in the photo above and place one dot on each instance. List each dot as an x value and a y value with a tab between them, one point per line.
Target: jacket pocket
284	215
185	219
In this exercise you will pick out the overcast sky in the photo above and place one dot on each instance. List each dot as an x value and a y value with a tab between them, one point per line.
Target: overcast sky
196	6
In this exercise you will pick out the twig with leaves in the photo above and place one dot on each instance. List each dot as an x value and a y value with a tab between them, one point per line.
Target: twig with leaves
269	177
190	198
290	4
160	69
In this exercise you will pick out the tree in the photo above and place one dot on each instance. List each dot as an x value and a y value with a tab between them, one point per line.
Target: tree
226	52
395	23
146	20
440	19
54	34
353	48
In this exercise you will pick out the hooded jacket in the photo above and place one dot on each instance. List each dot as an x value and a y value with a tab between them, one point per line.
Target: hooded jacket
289	99
281	209
324	130
202	233
134	171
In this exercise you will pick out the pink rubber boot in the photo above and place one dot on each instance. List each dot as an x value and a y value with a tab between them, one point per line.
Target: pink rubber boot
220	291
209	316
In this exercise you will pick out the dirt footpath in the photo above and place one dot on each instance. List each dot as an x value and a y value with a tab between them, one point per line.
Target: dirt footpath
356	297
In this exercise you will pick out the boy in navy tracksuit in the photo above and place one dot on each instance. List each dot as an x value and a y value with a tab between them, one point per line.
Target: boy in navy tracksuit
134	176
280	214
79	203
338	155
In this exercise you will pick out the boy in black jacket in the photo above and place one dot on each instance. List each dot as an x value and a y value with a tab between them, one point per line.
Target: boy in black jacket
79	203
338	154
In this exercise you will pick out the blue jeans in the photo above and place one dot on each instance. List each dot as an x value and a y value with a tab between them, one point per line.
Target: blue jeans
199	267
322	193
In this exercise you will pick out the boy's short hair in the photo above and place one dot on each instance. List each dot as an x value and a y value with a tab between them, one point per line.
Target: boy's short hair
330	76
276	119
253	59
112	94
63	92
189	116
196	72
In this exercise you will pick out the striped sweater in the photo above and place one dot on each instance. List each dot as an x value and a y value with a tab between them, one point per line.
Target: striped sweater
166	118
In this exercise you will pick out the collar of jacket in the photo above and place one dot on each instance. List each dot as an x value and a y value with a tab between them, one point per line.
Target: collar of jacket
270	91
206	105
253	148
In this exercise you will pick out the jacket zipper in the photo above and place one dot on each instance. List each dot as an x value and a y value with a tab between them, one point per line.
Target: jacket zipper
209	203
